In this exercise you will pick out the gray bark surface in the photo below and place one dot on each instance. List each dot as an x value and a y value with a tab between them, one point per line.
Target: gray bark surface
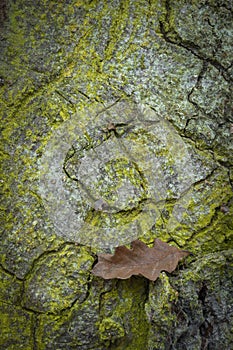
116	125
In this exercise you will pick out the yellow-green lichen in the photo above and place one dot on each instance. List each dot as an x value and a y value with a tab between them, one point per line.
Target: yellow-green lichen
59	279
59	60
16	328
159	310
111	330
10	289
122	314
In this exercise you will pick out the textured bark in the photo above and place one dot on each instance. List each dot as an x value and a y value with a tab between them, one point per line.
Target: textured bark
116	125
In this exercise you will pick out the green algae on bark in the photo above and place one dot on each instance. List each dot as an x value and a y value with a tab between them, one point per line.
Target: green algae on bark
125	324
101	186
59	279
95	323
18	323
202	209
10	288
197	311
60	60
75	327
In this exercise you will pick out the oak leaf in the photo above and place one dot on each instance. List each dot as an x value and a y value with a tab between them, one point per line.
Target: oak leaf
140	260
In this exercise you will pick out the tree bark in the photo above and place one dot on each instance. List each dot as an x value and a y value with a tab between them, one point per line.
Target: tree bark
116	125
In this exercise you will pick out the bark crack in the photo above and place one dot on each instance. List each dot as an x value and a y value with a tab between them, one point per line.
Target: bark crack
172	37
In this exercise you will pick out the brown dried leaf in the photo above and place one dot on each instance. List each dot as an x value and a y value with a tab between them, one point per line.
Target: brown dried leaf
140	260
